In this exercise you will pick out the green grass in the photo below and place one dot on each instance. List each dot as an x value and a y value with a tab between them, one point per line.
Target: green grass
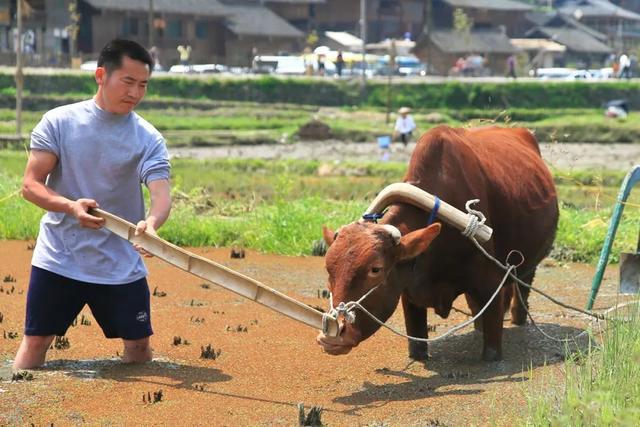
238	123
280	206
18	218
602	382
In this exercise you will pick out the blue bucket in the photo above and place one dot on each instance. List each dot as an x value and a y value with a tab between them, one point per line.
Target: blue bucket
384	141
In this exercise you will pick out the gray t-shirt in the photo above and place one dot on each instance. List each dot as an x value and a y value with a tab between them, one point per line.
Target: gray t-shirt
101	156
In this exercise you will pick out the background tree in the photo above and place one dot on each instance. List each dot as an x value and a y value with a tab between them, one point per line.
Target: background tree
462	24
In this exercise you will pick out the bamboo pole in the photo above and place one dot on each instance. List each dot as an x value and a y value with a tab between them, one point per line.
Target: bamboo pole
220	275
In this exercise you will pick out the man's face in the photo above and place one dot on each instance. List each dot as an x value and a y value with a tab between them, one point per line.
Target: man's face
121	90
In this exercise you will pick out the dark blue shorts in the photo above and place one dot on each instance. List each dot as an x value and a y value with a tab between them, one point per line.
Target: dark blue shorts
54	301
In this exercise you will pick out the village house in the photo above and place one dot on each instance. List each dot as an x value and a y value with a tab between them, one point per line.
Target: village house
485	43
584	45
385	18
620	26
218	31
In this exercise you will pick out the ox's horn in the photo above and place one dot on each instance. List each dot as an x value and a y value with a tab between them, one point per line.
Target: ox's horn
407	193
395	233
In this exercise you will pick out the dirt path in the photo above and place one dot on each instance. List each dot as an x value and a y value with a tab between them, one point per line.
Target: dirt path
262	374
558	155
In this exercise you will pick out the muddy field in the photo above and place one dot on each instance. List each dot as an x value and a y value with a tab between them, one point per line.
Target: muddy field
268	364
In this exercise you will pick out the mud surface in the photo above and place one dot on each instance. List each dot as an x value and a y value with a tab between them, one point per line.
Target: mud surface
262	374
558	155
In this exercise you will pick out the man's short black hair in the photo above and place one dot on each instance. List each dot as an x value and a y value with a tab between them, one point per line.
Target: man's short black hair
111	55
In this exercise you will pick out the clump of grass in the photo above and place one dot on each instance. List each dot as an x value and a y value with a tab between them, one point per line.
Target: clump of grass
602	381
280	206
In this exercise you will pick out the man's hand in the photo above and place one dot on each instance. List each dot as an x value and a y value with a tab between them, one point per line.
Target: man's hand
141	227
79	210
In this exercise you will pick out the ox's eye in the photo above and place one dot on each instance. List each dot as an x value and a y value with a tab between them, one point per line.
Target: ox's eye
376	270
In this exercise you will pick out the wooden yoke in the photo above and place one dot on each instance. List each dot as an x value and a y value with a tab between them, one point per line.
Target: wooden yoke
219	274
407	193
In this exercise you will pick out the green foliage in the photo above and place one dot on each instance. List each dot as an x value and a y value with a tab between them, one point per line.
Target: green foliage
280	206
602	381
18	219
450	94
284	227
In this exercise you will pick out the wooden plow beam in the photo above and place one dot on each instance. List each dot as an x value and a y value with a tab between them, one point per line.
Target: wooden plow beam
220	275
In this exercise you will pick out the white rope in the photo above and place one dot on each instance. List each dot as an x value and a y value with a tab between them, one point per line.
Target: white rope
476	219
351	305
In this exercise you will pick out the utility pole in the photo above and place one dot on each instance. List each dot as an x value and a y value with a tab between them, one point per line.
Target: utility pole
363	36
427	28
19	75
151	41
392	67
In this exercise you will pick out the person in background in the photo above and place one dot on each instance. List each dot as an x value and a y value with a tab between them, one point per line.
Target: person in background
511	66
155	58
404	125
95	153
321	64
184	53
339	64
624	66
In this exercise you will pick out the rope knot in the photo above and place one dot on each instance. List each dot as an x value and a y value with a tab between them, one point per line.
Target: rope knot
344	311
476	219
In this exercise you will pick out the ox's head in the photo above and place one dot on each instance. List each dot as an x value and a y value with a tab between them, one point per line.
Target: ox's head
361	256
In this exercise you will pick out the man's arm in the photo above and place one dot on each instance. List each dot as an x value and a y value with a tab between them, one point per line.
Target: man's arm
34	189
160	192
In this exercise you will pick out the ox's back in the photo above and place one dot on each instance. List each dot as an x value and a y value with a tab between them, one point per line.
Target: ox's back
503	168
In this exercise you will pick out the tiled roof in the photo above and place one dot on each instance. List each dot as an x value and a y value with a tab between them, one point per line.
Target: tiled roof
596	8
490	4
196	7
573	38
478	41
255	20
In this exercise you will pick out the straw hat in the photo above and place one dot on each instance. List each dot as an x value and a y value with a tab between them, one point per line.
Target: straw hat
404	110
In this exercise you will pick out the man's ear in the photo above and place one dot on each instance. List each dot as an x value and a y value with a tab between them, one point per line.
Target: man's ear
100	75
416	242
328	235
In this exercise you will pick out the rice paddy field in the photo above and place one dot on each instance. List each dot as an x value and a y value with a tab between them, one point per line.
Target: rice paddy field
264	365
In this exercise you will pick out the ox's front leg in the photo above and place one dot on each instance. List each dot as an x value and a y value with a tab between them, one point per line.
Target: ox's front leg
492	320
415	320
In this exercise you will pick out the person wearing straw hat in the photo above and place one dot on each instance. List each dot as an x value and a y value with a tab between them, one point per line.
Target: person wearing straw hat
404	125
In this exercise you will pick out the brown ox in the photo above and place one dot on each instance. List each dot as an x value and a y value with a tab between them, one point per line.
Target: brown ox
501	167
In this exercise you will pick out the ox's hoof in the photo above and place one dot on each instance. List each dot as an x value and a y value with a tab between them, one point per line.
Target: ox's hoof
478	324
491	355
518	317
418	351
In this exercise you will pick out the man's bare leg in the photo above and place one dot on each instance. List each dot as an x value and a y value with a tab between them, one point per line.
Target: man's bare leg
32	351
137	351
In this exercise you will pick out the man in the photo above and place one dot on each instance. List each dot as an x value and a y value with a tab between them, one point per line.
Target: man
84	155
511	66
625	66
185	53
404	125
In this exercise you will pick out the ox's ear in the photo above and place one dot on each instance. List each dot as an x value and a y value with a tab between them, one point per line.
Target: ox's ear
416	242
328	235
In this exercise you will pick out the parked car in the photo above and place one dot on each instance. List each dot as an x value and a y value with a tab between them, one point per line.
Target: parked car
198	68
572	74
89	66
410	66
276	64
